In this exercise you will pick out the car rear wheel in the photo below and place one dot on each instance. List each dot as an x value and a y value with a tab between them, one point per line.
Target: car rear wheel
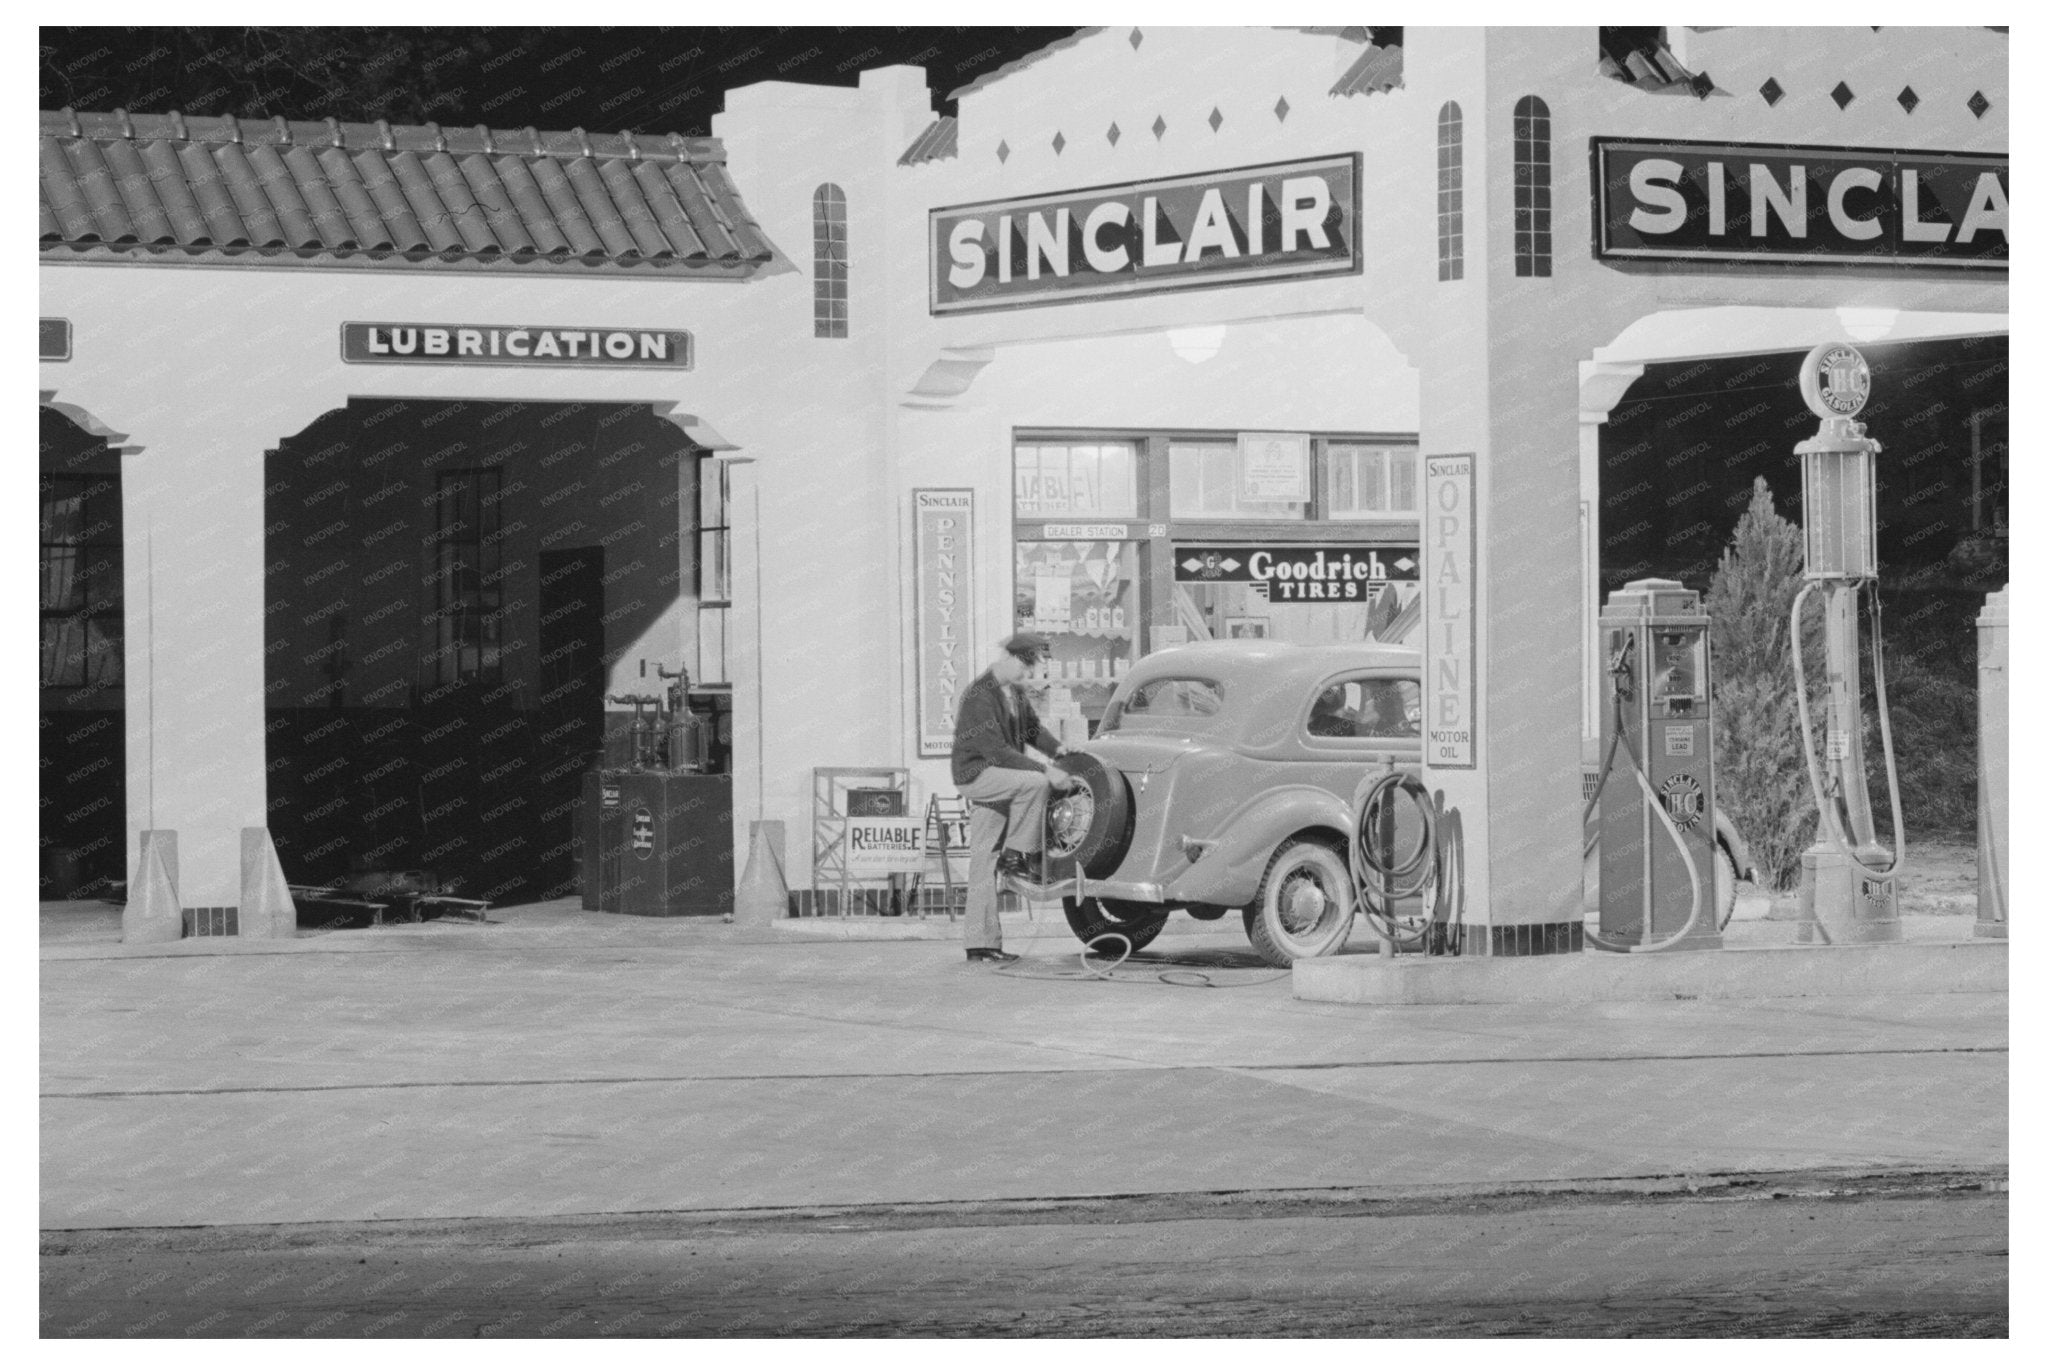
1090	919
1304	905
1088	828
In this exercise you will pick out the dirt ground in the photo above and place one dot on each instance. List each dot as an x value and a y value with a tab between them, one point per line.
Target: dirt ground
1853	1256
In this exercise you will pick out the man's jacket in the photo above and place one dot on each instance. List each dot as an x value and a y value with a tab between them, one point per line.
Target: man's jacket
989	735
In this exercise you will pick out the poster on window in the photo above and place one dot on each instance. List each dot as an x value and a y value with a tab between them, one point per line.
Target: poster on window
943	539
1272	466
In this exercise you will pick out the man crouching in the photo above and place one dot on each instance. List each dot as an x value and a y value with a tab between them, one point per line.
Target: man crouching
1003	785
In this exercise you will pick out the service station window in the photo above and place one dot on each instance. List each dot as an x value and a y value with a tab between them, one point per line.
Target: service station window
714	568
1362	482
468	575
81	580
1094	479
1207	484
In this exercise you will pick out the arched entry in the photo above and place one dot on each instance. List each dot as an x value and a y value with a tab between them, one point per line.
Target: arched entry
451	591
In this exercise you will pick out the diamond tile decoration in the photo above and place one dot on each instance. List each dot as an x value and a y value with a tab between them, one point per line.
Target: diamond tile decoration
1280	109
1059	143
1841	94
1908	100
1978	104
1215	119
1003	151
1771	91
1114	133
1159	126
1137	36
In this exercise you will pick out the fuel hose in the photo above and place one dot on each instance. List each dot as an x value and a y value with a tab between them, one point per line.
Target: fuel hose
1828	803
1380	878
1692	870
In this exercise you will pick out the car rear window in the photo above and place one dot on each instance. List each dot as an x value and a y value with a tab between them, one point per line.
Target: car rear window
1173	702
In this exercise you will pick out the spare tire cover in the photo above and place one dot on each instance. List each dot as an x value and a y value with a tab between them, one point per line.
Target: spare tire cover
1103	844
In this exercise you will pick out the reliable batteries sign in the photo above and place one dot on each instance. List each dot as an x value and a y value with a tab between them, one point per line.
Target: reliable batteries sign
1731	201
458	343
1299	573
1240	226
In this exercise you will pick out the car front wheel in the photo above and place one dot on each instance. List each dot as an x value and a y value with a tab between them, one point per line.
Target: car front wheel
1303	907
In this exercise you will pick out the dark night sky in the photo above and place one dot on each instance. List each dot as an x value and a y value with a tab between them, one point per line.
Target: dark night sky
647	80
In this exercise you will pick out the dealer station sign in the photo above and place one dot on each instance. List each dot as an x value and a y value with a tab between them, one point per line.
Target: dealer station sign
1852	206
470	343
1300	573
1246	225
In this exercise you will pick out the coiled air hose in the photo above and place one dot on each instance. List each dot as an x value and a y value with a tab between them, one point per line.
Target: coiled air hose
1431	871
1692	871
1827	802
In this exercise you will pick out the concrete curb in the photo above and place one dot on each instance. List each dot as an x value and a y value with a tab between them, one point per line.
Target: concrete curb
1966	967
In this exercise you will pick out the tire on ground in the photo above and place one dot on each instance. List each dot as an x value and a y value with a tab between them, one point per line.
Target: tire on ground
1304	904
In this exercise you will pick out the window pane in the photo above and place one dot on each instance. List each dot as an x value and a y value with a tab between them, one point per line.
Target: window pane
1219	478
1372	479
1027	481
63	512
1119	486
1340	479
1083	465
1403	468
1052	489
711	646
63	590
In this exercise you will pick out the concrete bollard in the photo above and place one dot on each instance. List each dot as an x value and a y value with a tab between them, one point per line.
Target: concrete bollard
1994	689
267	909
152	914
762	896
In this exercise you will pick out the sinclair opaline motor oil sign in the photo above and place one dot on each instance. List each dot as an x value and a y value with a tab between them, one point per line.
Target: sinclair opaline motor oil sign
1240	226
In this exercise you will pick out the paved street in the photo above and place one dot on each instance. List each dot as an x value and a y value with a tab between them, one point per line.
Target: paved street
553	1068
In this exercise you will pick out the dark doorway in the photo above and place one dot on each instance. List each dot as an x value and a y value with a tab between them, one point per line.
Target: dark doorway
449	587
82	731
571	701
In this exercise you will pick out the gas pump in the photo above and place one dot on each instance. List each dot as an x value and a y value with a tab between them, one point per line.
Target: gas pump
1657	819
1847	879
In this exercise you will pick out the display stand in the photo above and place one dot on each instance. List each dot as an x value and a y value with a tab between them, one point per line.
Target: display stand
835	792
945	840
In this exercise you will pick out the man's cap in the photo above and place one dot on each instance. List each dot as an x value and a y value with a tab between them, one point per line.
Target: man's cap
1026	646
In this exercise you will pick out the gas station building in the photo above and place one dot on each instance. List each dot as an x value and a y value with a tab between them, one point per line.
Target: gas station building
409	447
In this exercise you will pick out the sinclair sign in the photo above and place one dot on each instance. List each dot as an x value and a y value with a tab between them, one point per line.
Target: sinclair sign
1249	225
1860	206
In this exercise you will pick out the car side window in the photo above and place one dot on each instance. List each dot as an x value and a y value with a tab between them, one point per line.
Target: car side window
1368	708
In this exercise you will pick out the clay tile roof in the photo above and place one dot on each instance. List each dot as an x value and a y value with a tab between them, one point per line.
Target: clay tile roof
167	188
1377	69
1640	57
935	143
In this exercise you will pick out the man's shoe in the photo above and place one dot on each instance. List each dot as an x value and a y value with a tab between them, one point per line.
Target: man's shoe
990	955
1014	864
